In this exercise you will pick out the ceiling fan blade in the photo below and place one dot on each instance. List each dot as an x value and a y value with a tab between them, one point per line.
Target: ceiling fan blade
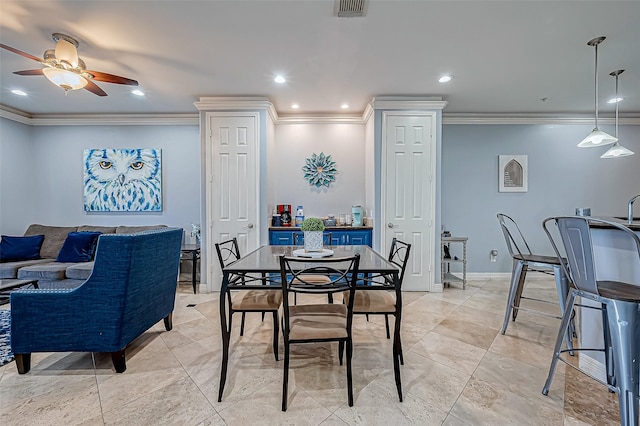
93	88
30	72
110	78
20	52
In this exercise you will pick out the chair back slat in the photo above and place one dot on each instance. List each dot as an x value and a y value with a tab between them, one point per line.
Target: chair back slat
399	256
228	252
516	243
576	239
576	234
297	277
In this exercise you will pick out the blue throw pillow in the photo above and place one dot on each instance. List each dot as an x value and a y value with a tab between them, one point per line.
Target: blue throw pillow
20	248
78	247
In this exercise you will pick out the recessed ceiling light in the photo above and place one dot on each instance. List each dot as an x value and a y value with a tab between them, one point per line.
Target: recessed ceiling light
344	106
279	79
138	92
615	100
445	79
295	106
18	92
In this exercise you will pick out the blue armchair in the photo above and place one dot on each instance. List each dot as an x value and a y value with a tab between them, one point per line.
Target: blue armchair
132	287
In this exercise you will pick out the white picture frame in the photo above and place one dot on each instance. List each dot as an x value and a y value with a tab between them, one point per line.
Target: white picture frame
513	173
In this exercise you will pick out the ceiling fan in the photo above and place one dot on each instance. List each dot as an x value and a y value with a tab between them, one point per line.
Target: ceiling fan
65	69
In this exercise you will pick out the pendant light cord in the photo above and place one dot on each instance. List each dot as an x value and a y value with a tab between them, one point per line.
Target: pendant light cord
596	81
617	102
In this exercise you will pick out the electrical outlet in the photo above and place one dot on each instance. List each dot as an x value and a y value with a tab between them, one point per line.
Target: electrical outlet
493	256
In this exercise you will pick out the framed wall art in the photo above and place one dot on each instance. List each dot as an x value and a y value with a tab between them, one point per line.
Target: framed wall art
513	173
122	180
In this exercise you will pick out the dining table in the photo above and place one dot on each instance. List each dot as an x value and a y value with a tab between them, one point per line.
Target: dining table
261	268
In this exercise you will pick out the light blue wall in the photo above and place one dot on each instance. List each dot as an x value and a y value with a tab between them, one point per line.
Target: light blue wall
51	162
561	178
41	178
16	177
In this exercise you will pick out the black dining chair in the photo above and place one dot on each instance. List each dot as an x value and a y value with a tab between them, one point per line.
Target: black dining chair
380	295
621	303
318	322
248	300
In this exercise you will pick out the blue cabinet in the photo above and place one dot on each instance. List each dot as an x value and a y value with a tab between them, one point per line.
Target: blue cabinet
350	237
280	238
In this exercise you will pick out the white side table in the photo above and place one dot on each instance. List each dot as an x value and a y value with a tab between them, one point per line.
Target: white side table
449	277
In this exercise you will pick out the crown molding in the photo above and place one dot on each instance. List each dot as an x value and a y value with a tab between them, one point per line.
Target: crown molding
116	120
241	103
462	118
235	103
320	118
408	103
98	119
14	114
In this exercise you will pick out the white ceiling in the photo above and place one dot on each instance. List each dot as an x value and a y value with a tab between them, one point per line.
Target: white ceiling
505	55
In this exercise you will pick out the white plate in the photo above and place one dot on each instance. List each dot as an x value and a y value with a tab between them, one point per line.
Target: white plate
312	254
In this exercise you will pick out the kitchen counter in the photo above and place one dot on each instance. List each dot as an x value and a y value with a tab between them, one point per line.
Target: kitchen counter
326	228
635	226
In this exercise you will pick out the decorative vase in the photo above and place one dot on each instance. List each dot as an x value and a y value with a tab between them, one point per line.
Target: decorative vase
312	241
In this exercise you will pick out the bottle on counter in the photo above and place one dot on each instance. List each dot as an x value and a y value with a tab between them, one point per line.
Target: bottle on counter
299	216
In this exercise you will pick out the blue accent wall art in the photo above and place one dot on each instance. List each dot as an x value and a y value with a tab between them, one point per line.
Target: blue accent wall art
122	180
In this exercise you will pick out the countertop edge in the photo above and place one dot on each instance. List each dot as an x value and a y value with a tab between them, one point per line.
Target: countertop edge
327	228
635	226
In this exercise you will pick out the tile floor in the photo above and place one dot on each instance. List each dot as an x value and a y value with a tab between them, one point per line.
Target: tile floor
459	370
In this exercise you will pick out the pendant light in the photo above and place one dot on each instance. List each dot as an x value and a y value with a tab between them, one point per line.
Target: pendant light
597	137
616	149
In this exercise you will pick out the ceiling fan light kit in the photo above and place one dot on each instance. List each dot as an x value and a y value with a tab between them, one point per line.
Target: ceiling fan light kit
68	80
64	68
597	137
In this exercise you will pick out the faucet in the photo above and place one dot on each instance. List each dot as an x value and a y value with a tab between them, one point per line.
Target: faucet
631	208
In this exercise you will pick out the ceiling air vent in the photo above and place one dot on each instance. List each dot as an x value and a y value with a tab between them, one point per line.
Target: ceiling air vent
350	8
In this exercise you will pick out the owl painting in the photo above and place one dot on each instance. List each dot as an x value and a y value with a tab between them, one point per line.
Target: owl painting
122	180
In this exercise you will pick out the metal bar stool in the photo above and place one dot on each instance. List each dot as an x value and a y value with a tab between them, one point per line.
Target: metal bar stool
523	261
621	301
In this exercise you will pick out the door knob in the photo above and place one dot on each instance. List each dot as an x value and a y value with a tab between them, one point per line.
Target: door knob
390	225
250	226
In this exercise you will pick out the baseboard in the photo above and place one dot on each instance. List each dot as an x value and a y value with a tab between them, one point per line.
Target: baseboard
437	288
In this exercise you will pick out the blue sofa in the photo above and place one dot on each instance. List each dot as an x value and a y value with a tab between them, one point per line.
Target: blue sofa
132	287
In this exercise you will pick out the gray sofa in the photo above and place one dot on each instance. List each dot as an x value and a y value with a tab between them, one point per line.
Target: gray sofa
52	274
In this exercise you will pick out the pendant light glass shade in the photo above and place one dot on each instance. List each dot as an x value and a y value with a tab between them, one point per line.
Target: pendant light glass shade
616	149
597	137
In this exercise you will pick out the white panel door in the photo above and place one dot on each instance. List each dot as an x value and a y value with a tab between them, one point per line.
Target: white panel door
408	193
233	184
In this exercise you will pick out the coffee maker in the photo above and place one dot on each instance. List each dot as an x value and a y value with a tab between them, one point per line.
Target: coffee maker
284	210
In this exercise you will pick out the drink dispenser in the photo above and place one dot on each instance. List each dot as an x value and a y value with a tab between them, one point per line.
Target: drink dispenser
358	216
